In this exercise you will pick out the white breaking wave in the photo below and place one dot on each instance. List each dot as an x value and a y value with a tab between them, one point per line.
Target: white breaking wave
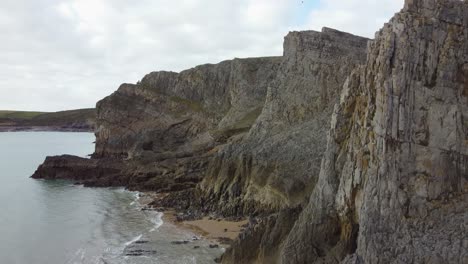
137	197
133	240
157	221
78	257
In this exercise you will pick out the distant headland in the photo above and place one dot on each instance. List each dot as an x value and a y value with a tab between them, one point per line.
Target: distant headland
80	120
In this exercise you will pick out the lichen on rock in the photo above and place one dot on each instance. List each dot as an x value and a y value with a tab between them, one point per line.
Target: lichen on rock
345	150
393	182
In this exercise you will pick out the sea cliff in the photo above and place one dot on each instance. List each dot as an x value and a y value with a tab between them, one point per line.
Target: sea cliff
344	149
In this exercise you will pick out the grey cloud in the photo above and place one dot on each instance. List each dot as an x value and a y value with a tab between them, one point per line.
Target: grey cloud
63	54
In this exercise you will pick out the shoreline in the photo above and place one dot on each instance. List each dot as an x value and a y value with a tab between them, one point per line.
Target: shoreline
215	230
43	129
220	231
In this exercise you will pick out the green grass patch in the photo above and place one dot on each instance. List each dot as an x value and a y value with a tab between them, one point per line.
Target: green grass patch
248	120
193	105
241	126
19	114
62	118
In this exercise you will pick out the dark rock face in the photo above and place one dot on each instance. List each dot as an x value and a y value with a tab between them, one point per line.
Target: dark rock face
236	138
169	114
167	126
384	182
90	172
274	165
393	182
164	130
213	124
259	242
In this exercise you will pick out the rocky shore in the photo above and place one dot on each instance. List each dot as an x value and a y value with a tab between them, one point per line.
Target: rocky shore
343	150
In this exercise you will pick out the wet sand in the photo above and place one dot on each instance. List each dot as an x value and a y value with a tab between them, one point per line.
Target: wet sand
217	230
214	229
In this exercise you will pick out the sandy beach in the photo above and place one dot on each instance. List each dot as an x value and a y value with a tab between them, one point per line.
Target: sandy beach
218	230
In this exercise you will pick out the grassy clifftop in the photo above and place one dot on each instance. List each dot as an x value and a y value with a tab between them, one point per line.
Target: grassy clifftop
19	114
80	119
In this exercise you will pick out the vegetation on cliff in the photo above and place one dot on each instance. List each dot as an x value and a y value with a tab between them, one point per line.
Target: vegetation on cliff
71	120
345	150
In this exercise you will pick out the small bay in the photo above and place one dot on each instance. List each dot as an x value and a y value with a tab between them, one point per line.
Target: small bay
56	222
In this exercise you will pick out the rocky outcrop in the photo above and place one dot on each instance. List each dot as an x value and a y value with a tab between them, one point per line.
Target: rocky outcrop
223	125
242	137
90	172
171	113
274	165
278	162
388	182
167	126
393	186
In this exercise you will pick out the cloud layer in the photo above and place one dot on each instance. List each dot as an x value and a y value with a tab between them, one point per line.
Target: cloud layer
64	54
360	17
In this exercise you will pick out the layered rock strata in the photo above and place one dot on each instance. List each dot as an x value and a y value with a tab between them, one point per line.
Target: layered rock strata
165	128
213	124
388	183
393	185
275	164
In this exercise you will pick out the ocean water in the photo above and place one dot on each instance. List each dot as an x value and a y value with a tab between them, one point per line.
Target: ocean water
56	222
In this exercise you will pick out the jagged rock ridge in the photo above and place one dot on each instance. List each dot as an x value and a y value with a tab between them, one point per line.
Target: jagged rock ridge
393	187
273	164
213	124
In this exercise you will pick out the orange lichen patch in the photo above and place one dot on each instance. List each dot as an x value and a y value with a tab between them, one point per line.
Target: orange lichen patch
427	164
361	108
346	231
365	162
349	107
357	198
440	172
362	158
462	77
213	150
371	135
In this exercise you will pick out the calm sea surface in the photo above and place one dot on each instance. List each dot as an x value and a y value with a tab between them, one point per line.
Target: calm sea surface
56	222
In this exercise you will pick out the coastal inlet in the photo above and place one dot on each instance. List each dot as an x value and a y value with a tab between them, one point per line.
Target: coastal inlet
56	222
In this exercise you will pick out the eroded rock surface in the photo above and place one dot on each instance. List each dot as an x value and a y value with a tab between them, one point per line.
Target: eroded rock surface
388	183
393	187
230	126
274	166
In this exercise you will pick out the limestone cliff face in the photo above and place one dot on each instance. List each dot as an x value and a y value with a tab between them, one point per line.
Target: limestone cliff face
275	164
393	185
388	183
252	130
167	126
166	110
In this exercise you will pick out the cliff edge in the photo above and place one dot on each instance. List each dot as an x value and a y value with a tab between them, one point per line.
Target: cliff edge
344	149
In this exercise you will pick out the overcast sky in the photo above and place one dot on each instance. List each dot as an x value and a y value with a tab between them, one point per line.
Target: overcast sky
66	54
